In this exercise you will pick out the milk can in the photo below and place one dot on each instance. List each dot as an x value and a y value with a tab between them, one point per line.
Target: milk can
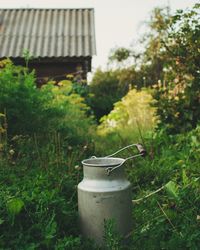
104	194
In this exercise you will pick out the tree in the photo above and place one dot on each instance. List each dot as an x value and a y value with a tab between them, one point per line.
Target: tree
106	88
179	99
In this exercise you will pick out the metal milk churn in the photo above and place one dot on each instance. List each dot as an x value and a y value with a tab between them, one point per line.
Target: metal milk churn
105	194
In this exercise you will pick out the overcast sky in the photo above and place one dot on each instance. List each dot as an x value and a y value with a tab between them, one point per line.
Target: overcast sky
117	22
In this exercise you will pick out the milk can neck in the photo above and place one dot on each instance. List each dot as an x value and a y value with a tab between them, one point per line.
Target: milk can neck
99	173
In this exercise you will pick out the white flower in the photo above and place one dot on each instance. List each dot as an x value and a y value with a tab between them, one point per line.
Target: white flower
77	167
11	152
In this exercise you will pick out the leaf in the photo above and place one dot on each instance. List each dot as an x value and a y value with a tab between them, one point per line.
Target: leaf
194	141
172	190
67	85
14	206
184	177
1	221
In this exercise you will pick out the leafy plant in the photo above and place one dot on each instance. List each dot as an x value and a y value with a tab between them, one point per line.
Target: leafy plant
112	237
106	88
178	96
132	111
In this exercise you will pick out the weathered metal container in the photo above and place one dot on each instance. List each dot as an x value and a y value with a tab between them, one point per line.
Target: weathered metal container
104	194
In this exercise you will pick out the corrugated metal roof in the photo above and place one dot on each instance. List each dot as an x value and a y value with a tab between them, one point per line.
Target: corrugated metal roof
47	32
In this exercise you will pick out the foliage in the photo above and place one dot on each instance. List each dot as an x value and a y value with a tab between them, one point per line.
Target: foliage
170	218
133	112
154	57
45	133
146	68
170	63
112	237
149	61
131	119
178	99
106	88
120	54
20	99
38	208
30	110
70	110
38	201
120	57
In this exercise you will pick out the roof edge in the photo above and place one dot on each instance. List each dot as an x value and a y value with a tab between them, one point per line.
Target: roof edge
23	8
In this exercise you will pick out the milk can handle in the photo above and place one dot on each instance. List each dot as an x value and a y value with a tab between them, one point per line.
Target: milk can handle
141	150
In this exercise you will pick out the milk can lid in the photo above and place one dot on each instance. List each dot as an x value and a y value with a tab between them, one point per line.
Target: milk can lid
102	162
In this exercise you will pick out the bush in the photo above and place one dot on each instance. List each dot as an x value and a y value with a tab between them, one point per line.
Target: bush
133	111
105	89
178	96
44	134
20	100
38	202
168	219
131	119
30	110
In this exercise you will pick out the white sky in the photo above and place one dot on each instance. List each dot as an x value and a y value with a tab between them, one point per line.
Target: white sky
117	22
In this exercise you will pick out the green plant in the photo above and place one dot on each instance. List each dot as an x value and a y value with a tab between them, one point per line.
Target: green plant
38	207
132	111
106	88
178	96
44	134
131	120
112	237
168	219
30	110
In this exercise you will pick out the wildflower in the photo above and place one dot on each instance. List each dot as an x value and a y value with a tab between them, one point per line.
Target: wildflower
16	137
69	76
176	80
85	147
177	114
155	86
11	152
77	167
60	83
176	98
69	147
2	130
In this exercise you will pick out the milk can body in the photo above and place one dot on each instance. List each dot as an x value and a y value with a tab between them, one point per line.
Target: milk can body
103	197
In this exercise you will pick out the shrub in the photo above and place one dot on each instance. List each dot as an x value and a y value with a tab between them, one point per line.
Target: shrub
168	219
178	96
20	100
106	88
30	110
